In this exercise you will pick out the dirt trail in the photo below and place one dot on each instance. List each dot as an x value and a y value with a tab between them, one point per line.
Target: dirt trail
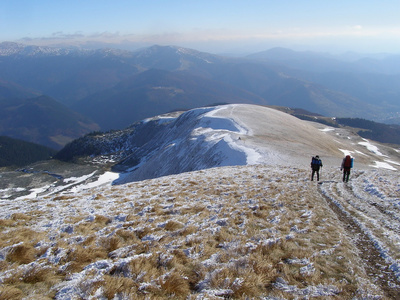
360	206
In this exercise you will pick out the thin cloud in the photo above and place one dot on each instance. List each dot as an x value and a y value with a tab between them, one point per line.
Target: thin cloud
196	36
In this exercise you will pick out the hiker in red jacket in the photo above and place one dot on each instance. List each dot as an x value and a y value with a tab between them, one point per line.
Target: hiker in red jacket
347	164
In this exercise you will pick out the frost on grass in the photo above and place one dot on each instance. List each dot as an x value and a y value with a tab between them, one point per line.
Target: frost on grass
225	232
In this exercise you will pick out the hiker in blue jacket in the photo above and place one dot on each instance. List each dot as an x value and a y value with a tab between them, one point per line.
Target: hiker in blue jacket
316	164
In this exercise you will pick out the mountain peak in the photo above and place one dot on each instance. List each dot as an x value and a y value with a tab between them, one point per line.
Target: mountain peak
11	49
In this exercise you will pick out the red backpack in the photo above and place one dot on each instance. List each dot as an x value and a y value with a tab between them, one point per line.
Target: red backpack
347	162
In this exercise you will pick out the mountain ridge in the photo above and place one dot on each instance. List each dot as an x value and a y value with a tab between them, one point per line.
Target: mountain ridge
218	136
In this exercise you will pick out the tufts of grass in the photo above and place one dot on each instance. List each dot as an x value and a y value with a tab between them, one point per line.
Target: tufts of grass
109	244
195	272
142	232
144	268
20	216
35	274
63	197
8	292
173	225
22	254
102	220
79	257
119	287
175	285
127	236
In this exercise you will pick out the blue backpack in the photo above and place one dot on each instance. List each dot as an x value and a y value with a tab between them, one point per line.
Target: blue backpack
315	162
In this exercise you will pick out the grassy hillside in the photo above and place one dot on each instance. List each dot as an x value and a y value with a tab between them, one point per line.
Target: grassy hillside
232	232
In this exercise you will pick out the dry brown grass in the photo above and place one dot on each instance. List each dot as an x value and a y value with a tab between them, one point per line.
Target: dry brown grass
79	257
63	197
22	254
175	285
8	292
119	286
33	279
227	234
102	220
34	274
109	244
20	216
20	234
173	225
6	223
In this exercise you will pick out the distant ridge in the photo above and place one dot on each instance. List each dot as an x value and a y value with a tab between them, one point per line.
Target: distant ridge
154	92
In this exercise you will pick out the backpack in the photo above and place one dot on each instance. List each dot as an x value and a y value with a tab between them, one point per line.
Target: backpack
315	162
348	162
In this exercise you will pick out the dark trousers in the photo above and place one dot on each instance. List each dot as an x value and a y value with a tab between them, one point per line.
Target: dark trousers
312	175
346	174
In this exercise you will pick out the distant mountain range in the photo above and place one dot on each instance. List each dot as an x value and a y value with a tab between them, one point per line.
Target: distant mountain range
115	88
154	92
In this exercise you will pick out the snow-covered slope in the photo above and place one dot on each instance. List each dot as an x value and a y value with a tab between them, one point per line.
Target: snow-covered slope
241	134
203	138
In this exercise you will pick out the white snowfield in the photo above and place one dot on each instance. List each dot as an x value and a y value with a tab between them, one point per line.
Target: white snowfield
238	174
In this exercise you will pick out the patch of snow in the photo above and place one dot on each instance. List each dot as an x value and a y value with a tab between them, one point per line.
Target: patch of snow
392	162
105	178
383	165
347	152
34	193
371	147
327	129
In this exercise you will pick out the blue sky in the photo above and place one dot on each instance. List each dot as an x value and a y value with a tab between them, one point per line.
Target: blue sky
214	26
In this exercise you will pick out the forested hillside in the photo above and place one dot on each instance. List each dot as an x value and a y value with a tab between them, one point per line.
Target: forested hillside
372	130
15	152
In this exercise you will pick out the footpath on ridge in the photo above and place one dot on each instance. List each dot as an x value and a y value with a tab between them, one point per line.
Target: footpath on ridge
369	221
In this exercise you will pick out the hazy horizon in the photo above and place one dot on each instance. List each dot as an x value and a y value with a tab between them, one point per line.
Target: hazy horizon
235	26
